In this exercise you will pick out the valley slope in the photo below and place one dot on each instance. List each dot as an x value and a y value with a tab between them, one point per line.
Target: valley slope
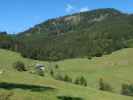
115	69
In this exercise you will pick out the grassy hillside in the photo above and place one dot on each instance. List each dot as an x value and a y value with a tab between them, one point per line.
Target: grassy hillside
113	68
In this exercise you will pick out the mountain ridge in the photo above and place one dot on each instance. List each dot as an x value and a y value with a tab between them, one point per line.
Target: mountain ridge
110	10
91	33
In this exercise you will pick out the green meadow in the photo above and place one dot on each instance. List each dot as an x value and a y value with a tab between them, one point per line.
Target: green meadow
116	69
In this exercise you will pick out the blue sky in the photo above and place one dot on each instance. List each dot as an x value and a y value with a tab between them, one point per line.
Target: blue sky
19	15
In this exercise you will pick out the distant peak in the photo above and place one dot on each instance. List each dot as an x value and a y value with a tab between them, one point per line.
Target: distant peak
106	9
111	11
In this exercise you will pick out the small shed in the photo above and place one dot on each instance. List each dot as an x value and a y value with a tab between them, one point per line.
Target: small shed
40	67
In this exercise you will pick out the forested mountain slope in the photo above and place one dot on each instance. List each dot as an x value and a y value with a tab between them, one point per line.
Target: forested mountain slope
91	33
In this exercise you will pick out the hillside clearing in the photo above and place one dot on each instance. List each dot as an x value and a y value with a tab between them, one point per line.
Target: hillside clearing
116	74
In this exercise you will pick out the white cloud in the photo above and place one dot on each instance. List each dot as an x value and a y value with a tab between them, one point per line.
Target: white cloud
84	9
70	8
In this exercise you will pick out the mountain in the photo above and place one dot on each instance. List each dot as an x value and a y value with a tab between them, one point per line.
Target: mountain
91	33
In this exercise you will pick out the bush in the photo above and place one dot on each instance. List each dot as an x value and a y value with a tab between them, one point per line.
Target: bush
67	78
51	72
69	98
40	73
104	86
56	66
20	66
81	81
89	57
127	89
77	81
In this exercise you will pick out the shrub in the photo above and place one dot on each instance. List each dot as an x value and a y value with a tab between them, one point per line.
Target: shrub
89	57
98	54
81	81
69	98
51	72
20	66
56	66
104	86
40	72
127	89
67	78
77	81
